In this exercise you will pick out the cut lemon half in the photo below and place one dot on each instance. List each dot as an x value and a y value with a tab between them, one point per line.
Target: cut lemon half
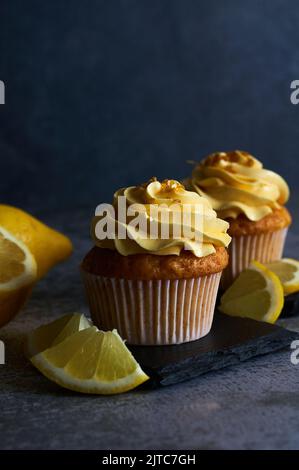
18	273
54	333
257	293
91	361
287	270
48	246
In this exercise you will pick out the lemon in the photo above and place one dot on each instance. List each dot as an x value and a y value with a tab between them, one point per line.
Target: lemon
54	333
257	293
17	275
287	270
91	361
48	246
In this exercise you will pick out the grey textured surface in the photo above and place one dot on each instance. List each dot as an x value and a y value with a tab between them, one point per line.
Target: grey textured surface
251	406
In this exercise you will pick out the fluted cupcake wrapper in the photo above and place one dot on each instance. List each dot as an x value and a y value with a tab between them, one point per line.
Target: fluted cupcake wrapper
153	312
242	250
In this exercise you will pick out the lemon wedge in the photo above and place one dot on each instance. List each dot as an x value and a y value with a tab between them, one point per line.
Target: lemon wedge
18	272
91	361
287	270
257	293
54	333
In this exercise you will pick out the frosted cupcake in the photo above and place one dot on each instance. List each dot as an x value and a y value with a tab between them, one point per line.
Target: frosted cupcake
251	199
163	290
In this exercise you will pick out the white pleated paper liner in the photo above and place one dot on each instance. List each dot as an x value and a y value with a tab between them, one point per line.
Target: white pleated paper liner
242	250
153	312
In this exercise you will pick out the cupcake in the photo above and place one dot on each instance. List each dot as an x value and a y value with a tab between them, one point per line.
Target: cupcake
156	285
252	200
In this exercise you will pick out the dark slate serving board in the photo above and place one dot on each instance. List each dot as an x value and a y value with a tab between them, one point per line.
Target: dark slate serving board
232	340
291	305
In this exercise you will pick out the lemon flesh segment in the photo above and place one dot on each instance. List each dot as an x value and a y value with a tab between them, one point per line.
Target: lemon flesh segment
54	333
257	293
91	361
47	245
18	273
17	264
287	269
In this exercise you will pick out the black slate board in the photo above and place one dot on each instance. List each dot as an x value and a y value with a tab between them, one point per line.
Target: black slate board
291	305
232	340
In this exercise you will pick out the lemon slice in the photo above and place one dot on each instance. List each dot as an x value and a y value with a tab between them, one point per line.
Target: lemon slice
287	270
18	273
257	293
54	333
91	361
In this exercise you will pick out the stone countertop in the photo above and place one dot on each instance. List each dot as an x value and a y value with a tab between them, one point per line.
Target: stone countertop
254	405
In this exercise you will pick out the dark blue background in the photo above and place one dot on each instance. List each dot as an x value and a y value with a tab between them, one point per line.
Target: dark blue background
102	94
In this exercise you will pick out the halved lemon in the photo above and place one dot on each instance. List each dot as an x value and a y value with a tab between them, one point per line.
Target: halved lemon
91	361
18	273
257	293
287	269
48	246
54	333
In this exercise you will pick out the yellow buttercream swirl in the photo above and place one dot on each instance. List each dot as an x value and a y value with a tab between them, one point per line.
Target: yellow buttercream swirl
236	183
205	230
